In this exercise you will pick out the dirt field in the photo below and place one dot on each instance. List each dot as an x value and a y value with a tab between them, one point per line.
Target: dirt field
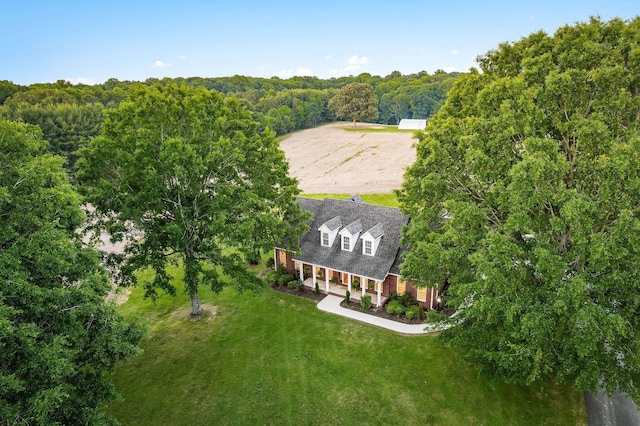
330	159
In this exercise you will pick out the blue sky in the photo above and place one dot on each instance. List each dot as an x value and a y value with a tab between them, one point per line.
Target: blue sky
92	41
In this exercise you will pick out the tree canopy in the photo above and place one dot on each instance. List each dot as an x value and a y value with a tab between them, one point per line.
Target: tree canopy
412	96
189	172
69	115
355	101
59	339
66	126
524	201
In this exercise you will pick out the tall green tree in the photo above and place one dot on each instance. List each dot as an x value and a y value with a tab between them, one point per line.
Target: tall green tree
355	101
525	201
67	127
187	171
59	339
8	89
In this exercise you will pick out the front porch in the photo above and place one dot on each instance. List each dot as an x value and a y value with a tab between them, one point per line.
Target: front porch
334	281
341	290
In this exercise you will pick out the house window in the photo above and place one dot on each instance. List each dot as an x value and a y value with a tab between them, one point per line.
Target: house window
346	243
422	294
368	247
325	239
401	286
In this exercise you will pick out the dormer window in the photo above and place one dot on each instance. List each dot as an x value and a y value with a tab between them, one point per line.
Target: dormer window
346	240
371	240
350	234
368	247
329	230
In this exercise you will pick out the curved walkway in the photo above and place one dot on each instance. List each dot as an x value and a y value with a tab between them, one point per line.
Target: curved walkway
331	304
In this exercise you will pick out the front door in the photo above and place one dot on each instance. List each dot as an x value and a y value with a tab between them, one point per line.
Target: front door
345	278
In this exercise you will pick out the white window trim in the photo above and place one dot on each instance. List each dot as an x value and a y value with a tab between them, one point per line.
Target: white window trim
367	248
375	243
331	233
346	242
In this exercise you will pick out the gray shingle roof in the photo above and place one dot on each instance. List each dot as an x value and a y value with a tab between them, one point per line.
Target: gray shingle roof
354	227
333	224
370	216
356	198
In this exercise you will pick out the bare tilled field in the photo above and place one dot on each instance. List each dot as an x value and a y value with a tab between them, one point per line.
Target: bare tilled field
330	159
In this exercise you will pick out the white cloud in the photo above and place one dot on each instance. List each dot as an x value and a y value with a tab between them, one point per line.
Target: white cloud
301	72
81	80
183	57
449	69
327	57
354	63
356	60
454	51
159	64
298	72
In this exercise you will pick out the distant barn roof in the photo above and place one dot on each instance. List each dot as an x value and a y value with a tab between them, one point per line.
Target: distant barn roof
412	124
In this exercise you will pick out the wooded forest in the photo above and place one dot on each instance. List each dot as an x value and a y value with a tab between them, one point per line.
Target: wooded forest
70	115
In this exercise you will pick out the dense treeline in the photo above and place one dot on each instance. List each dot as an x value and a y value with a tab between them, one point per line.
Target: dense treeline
535	163
70	115
60	340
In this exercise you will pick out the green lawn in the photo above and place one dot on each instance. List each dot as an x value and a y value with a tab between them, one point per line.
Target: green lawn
389	200
272	358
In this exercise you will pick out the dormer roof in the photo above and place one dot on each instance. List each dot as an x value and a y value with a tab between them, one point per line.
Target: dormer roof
353	228
332	224
376	232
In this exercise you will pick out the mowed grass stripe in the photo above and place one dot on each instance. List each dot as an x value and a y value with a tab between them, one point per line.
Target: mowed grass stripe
273	358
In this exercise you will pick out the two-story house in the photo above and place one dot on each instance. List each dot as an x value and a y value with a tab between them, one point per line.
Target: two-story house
353	246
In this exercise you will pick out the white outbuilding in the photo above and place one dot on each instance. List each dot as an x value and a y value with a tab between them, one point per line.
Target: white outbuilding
412	124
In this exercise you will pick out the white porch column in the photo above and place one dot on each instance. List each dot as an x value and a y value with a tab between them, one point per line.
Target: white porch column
379	286
431	301
315	277
301	271
349	283
326	279
362	287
